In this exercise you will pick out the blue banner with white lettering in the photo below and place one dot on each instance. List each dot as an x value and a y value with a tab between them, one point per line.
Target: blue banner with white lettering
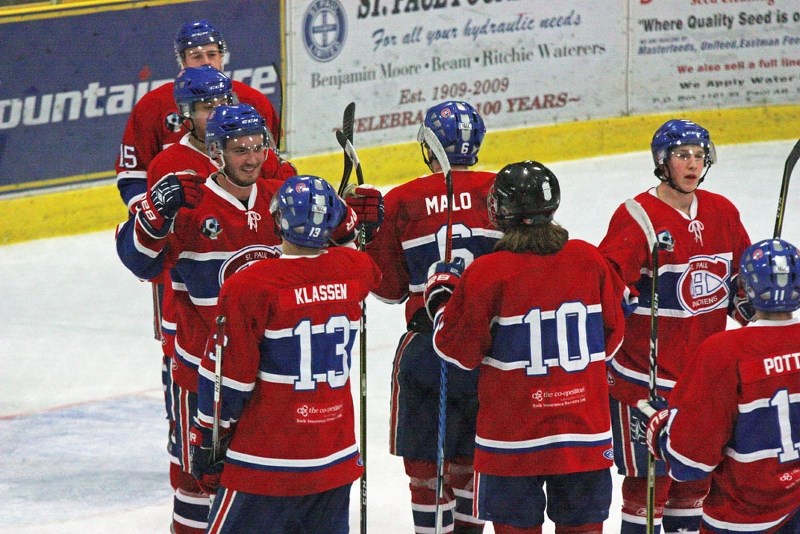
69	79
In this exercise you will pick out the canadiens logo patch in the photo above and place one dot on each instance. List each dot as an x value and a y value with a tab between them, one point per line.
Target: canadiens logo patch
703	286
211	228
244	258
173	122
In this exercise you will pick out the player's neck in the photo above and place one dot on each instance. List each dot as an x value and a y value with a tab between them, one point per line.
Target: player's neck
240	192
676	199
197	143
290	249
773	316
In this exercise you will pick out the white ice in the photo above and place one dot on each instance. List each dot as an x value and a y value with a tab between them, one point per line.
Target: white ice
82	432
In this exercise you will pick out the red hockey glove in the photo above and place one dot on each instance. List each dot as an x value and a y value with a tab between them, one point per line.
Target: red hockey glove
442	281
367	202
345	233
741	309
657	412
166	197
204	468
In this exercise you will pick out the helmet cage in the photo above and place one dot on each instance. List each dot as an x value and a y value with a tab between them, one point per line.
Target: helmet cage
770	271
306	210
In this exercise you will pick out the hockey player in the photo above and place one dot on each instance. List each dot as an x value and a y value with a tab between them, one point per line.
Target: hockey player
544	429
411	239
155	122
197	91
286	404
742	388
203	230
697	289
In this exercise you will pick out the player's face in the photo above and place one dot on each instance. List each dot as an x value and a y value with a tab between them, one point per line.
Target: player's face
200	112
686	164
203	55
244	156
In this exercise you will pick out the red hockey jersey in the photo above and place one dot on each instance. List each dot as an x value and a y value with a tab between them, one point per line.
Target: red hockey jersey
207	244
694	286
292	322
736	414
541	329
412	236
154	124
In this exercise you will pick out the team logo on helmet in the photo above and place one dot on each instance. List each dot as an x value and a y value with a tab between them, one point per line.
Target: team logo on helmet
324	29
211	228
703	286
244	258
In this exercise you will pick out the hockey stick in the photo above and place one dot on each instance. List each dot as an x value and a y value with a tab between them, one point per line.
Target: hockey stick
352	158
655	242
219	349
348	119
791	161
279	82
427	136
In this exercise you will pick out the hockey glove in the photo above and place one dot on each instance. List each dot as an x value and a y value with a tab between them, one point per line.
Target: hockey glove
657	413
166	197
205	469
741	310
442	281
367	202
345	233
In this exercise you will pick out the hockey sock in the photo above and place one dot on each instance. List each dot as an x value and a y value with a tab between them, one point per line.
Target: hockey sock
462	480
683	510
422	484
634	504
190	512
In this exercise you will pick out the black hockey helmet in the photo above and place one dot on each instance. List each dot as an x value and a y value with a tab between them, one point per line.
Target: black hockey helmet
524	193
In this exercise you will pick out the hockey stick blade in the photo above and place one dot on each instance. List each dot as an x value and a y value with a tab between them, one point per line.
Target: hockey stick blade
791	161
350	152
427	136
279	83
348	120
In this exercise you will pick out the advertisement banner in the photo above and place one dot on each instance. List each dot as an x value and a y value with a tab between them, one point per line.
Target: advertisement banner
520	62
704	54
68	81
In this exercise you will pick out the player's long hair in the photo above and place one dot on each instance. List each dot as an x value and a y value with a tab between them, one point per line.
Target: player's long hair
540	239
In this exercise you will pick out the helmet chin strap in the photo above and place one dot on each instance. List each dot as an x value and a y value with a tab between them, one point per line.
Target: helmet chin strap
663	175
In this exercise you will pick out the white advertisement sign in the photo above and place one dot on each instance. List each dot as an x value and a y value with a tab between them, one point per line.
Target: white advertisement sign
701	54
520	62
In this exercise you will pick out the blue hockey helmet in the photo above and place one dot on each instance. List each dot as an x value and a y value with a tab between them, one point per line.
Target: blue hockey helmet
227	122
196	84
198	33
523	194
459	128
770	270
677	132
306	210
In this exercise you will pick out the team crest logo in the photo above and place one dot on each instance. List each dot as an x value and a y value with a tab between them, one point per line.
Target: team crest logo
324	29
211	228
703	286
173	122
244	258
